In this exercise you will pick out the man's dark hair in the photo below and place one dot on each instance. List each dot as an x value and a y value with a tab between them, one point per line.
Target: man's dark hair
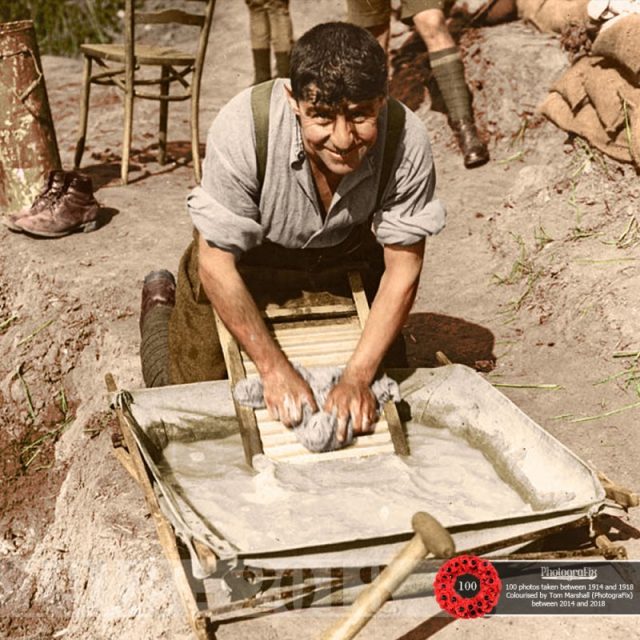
342	61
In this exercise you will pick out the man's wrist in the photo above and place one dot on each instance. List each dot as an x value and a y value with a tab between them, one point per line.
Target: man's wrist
358	374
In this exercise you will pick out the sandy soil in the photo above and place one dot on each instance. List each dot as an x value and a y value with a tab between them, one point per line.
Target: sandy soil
532	281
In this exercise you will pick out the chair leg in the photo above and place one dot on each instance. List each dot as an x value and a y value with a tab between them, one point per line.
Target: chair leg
195	133
84	112
126	141
164	115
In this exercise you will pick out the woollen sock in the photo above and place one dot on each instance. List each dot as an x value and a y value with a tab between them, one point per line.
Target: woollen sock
261	65
282	63
448	71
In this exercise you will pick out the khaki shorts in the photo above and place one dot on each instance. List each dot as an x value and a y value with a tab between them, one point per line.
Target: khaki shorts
372	13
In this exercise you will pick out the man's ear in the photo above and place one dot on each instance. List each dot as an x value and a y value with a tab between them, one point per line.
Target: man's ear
293	103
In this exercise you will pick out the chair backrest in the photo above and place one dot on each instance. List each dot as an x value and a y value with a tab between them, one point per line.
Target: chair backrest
135	17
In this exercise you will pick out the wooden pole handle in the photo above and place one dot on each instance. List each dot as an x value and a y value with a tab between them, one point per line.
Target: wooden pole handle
431	537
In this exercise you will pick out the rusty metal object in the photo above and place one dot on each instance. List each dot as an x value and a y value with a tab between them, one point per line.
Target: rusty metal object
28	147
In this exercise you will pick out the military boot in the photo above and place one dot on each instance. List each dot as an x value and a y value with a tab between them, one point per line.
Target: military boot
56	184
473	149
159	288
75	210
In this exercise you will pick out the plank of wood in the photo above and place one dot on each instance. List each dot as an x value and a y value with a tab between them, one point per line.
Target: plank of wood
352	328
271	427
318	346
359	297
341	353
318	360
396	429
248	428
322	311
273	437
623	496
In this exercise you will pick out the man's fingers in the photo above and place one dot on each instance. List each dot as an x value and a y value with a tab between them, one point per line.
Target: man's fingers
341	433
273	412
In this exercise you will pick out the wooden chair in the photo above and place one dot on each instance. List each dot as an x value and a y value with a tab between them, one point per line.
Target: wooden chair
119	66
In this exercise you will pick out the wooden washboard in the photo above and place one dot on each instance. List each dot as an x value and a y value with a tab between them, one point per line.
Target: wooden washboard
310	335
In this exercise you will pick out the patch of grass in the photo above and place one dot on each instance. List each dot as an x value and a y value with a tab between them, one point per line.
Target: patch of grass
585	159
541	237
32	450
516	156
519	137
629	237
518	142
523	269
520	267
63	25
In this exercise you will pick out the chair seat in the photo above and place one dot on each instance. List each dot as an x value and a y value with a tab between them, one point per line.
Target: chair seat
144	54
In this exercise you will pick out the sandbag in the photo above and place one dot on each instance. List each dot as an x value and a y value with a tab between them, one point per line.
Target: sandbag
603	86
570	85
552	16
586	124
618	43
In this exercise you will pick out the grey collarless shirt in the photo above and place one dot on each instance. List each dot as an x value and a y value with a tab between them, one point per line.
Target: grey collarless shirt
232	212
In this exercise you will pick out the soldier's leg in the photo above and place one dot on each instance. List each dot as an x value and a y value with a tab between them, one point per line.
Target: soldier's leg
448	70
260	30
373	15
281	34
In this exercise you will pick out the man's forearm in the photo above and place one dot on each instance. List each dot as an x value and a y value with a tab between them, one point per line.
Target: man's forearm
389	312
234	304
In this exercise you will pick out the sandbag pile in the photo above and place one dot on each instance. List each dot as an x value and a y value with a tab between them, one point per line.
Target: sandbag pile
598	98
552	16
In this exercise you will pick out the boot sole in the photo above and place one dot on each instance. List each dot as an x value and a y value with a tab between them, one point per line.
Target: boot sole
85	228
11	226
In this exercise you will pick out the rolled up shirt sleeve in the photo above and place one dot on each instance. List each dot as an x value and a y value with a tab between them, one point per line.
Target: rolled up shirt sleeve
225	207
409	212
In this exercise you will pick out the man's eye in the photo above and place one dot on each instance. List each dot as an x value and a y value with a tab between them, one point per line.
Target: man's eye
323	118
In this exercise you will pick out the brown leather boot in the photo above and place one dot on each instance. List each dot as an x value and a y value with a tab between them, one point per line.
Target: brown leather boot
474	151
159	288
57	181
75	210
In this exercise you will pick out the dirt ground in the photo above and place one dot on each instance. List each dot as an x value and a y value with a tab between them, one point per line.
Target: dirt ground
534	282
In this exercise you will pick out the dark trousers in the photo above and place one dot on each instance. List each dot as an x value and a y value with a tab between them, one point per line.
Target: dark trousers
273	274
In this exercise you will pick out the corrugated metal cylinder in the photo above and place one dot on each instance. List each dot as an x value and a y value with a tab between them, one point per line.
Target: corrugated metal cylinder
28	147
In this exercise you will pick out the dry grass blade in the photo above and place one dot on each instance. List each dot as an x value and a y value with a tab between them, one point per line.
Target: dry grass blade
524	385
5	323
37	445
27	394
36	332
606	414
626	354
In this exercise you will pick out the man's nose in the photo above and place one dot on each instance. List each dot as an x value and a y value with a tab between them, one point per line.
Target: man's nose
342	135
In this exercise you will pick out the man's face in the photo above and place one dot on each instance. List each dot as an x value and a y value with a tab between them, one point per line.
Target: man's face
337	138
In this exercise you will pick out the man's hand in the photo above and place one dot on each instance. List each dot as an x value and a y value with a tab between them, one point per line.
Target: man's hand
352	398
286	393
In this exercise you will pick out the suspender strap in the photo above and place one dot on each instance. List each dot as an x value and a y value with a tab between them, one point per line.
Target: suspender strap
396	117
260	105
